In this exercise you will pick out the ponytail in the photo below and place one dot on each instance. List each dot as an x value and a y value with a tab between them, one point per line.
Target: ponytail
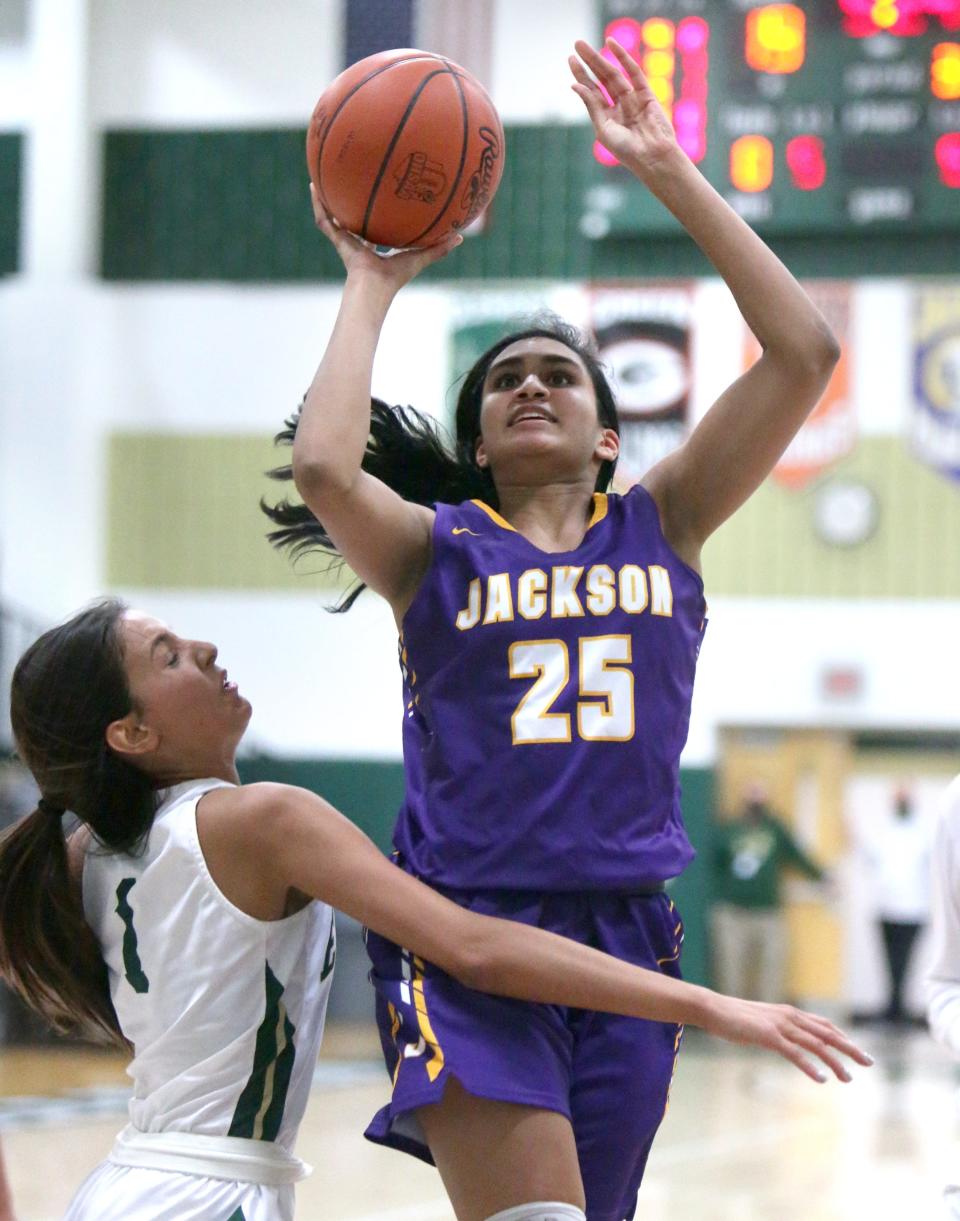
48	953
407	451
66	689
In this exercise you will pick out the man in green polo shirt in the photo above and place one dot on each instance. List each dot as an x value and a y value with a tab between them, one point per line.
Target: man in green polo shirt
751	853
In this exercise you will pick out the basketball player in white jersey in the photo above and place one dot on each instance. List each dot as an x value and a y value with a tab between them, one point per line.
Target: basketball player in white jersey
182	919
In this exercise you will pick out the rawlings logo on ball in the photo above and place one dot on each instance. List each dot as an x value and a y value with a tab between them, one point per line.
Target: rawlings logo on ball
405	147
477	194
420	179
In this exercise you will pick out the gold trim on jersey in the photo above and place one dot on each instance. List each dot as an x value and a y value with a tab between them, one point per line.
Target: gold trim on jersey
436	1062
394	1031
494	515
600	508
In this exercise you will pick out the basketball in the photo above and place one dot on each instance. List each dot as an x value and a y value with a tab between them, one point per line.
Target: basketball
405	147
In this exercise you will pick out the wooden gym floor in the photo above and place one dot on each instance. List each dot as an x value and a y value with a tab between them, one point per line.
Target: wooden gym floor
747	1138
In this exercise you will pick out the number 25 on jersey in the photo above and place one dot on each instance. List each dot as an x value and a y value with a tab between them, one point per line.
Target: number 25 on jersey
605	711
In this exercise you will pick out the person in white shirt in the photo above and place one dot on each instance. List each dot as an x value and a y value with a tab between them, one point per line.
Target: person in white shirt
899	855
189	918
943	970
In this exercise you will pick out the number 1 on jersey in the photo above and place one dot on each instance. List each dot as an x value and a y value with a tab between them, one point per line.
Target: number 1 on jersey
605	710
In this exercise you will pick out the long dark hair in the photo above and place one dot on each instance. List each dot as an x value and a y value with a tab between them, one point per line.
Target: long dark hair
67	688
409	452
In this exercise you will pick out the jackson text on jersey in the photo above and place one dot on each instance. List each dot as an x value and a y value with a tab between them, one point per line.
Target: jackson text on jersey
502	597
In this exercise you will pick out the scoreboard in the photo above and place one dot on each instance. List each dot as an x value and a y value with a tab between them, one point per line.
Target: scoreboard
828	116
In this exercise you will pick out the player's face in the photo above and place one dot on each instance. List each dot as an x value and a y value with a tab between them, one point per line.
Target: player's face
538	415
188	717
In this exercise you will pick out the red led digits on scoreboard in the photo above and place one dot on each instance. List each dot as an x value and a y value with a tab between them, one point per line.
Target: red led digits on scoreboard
690	112
947	152
905	18
806	162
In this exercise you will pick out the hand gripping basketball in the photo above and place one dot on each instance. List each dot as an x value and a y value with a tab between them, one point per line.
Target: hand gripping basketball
405	148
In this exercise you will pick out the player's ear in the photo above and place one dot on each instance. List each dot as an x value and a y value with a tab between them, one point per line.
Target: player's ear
481	455
129	737
608	447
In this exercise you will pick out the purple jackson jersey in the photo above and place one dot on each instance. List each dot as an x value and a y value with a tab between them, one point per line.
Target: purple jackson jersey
547	703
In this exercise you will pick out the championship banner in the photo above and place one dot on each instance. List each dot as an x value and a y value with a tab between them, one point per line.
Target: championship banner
935	409
830	432
643	334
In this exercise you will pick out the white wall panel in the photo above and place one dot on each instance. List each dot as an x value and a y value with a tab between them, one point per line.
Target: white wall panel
195	63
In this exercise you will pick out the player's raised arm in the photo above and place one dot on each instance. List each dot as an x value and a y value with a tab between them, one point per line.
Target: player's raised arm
741	438
308	846
384	539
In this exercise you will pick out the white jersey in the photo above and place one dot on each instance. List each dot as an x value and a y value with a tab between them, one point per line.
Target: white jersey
225	1012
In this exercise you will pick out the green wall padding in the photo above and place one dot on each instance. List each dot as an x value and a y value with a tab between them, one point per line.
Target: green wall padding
11	160
233	205
370	794
692	890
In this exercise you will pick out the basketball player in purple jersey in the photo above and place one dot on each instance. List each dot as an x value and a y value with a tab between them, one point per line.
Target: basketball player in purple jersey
549	638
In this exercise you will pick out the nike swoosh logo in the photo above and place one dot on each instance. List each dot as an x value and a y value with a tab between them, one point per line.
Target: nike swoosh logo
464	530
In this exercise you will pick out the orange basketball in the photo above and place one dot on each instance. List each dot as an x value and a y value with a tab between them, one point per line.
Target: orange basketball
404	147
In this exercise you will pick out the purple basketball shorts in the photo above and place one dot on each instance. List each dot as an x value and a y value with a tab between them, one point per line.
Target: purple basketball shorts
609	1075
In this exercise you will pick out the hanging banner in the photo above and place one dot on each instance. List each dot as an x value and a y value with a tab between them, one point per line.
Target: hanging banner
935	410
643	335
830	432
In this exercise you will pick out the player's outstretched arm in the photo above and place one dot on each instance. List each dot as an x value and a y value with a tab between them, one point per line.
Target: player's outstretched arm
741	438
384	539
307	846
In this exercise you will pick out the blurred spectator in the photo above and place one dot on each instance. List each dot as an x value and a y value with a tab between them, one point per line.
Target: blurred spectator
751	853
898	854
943	973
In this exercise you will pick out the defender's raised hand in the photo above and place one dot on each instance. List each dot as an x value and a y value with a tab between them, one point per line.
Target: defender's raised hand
631	124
